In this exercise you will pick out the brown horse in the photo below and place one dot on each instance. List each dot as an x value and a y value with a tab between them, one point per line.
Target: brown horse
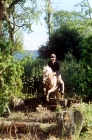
50	81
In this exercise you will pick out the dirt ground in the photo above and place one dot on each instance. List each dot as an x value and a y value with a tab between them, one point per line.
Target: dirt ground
24	116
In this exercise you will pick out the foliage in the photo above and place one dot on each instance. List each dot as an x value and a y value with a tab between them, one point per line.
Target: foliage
86	111
10	82
48	18
58	109
20	14
16	116
32	76
18	43
10	76
62	41
69	68
44	51
85	9
5	47
85	14
78	21
83	78
62	18
86	55
87	135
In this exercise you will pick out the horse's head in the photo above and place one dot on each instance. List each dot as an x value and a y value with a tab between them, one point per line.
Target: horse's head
47	71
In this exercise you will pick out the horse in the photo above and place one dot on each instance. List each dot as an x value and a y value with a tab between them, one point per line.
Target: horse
50	81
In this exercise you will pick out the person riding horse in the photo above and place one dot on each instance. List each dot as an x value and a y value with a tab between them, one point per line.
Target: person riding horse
55	66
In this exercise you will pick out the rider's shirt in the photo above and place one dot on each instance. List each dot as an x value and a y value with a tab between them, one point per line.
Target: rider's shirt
54	66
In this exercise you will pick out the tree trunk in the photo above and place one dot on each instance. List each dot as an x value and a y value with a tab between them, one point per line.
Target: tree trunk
3	7
1	16
69	124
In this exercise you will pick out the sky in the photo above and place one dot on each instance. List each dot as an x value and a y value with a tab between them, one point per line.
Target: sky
39	35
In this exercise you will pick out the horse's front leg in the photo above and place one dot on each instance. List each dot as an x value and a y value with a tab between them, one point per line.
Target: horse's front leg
49	91
47	97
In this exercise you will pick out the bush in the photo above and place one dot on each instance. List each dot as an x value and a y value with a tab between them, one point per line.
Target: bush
69	68
10	80
32	75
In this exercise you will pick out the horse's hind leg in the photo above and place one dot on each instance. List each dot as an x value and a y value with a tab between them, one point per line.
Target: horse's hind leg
47	97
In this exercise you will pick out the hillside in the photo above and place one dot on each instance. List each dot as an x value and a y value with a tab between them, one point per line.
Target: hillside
20	56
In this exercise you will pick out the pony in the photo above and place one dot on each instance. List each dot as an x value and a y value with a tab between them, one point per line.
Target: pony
50	82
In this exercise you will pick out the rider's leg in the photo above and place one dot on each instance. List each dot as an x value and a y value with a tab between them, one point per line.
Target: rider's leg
61	84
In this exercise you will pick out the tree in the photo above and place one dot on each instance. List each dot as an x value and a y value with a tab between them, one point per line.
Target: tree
69	68
80	19
32	76
10	76
62	41
3	7
67	18
19	15
86	15
48	18
83	78
81	23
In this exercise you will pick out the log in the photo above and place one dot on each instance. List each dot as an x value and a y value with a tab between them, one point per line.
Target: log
25	127
69	124
18	104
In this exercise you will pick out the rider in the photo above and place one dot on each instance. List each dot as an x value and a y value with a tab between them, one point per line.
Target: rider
55	66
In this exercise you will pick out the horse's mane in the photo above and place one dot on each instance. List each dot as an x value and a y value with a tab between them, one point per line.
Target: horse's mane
47	68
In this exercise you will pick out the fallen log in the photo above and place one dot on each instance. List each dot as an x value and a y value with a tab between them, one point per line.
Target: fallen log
20	104
25	127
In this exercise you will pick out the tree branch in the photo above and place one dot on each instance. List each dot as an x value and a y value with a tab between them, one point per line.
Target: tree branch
89	9
13	3
81	15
